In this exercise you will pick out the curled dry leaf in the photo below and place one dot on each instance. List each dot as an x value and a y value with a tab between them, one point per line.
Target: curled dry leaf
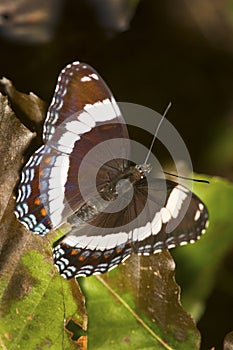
30	109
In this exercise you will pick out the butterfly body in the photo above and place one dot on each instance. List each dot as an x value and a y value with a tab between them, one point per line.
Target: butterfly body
119	186
83	175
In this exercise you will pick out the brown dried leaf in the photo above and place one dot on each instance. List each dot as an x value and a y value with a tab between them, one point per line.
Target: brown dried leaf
30	109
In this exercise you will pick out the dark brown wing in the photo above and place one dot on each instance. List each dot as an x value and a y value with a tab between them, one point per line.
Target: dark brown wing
83	115
160	216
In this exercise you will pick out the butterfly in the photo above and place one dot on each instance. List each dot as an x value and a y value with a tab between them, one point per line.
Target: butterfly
83	175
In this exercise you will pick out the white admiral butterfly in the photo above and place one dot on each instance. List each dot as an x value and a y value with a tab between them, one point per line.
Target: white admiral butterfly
130	212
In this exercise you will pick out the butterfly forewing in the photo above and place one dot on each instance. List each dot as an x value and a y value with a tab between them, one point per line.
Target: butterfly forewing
78	88
83	114
30	209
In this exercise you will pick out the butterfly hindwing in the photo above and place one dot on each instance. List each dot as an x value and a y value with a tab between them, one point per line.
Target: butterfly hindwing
160	221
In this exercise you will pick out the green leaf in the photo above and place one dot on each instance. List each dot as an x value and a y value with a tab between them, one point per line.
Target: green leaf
33	295
32	306
137	306
198	264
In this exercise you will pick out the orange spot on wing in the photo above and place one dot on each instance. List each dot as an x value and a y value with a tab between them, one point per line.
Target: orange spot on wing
43	212
37	201
119	250
81	258
49	222
95	256
74	252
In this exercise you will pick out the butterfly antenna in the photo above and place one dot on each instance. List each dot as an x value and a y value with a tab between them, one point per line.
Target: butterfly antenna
187	178
156	132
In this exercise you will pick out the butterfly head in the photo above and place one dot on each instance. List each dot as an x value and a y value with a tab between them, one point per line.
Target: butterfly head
143	169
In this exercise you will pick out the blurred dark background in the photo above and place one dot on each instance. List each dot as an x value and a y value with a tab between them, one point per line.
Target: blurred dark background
149	53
